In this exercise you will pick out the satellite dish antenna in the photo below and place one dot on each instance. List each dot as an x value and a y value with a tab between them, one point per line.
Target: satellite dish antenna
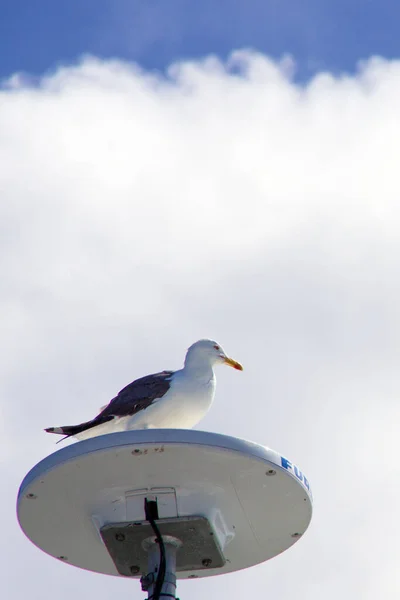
162	504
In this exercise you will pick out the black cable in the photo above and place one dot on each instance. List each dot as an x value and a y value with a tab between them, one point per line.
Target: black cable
162	564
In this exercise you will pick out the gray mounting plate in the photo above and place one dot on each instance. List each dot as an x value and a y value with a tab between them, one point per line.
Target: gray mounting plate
200	550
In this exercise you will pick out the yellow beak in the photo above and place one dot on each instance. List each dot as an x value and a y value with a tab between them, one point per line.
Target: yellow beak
233	363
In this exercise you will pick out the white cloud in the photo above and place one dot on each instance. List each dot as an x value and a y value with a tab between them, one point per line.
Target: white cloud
138	214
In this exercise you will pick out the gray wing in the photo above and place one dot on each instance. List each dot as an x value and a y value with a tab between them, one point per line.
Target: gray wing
138	395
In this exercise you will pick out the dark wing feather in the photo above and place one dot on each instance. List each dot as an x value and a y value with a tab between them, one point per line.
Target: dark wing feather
138	395
135	397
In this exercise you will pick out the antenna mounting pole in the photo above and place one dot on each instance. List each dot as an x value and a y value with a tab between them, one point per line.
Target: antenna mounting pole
168	587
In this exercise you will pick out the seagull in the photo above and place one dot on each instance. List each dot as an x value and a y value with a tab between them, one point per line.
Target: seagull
169	399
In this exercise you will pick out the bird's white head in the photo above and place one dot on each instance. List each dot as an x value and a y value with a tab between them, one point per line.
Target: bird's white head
211	353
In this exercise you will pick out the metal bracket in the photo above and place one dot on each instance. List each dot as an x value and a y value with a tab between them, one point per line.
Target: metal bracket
146	581
124	542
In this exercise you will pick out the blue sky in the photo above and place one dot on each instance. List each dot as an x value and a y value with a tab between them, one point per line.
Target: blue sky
321	35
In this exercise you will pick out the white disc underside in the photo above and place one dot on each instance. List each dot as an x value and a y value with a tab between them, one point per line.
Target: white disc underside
258	502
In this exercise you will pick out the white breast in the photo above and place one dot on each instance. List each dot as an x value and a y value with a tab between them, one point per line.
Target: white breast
185	404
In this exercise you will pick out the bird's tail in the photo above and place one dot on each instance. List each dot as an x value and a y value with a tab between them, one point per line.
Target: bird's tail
71	430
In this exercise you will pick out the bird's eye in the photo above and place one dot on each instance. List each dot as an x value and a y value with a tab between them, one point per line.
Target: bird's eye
217	347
